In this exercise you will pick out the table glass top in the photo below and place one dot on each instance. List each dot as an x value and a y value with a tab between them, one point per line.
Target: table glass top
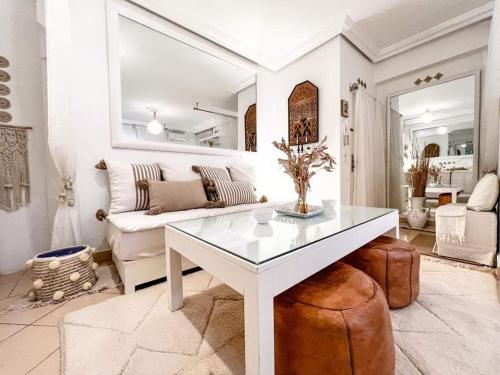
241	235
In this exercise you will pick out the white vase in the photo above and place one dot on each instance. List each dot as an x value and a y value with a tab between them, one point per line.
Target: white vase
417	217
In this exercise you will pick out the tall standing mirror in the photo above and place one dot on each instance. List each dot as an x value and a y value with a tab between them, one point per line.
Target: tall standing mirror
440	122
176	96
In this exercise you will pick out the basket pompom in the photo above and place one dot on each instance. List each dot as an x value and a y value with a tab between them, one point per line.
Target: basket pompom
94	266
32	295
58	295
29	263
75	276
84	257
87	285
38	284
54	265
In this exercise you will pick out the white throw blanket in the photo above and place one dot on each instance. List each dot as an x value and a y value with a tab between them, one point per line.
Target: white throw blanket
450	223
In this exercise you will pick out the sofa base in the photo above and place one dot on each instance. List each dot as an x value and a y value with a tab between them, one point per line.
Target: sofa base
136	272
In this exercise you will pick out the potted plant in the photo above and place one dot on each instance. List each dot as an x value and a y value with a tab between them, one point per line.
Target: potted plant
301	166
417	179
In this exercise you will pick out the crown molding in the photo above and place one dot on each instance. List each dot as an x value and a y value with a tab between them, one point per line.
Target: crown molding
466	19
347	27
361	40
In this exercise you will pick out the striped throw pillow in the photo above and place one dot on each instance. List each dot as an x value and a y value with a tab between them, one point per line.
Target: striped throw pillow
144	172
234	193
212	173
126	193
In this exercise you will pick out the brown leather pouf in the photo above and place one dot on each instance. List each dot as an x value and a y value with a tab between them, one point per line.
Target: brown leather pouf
395	266
335	322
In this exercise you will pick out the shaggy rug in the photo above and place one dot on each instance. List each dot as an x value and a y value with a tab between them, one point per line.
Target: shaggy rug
453	328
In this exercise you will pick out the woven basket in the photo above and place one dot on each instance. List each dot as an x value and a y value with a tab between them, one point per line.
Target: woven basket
60	274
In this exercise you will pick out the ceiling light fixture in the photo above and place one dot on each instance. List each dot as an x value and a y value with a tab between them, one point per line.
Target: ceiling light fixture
154	126
427	117
442	130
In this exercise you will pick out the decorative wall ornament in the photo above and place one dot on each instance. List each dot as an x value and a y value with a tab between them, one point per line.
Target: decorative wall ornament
14	169
5	117
251	128
4	103
427	79
344	108
4	63
4	76
303	121
4	90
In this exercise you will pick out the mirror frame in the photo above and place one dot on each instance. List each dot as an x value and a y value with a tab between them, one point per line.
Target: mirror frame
120	8
477	115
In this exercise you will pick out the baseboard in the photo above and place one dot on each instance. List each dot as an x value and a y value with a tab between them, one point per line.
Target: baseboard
102	256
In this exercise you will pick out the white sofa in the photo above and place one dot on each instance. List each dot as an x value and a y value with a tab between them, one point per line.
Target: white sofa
138	241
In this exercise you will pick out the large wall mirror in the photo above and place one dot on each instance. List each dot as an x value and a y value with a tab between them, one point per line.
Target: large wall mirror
439	121
174	91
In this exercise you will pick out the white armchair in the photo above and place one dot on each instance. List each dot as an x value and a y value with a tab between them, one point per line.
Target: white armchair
480	245
479	229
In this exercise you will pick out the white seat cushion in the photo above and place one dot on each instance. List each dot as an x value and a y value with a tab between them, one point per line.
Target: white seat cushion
133	235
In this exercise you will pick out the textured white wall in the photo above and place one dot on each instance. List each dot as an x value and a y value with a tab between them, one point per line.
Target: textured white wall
26	231
321	67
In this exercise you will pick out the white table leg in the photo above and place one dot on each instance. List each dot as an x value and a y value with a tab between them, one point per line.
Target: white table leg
259	328
174	279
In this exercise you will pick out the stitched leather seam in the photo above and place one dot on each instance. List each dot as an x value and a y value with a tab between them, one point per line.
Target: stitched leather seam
386	276
374	283
411	271
349	340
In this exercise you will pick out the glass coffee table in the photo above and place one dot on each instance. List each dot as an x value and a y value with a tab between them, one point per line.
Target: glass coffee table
261	261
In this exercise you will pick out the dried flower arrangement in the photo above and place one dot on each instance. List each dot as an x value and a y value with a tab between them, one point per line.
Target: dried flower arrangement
434	173
417	175
301	167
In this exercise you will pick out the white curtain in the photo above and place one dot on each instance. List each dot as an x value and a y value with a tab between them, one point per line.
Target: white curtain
61	137
395	160
369	151
490	116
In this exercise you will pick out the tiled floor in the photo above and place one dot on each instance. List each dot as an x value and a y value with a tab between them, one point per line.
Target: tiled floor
29	340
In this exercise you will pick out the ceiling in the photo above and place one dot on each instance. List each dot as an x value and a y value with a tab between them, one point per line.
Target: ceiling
275	33
159	71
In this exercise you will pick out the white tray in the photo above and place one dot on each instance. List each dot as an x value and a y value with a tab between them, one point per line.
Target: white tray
290	210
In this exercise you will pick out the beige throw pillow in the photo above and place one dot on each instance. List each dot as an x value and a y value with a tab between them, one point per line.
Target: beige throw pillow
167	196
485	194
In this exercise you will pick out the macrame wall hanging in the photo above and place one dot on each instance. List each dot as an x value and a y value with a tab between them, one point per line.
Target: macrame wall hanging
14	169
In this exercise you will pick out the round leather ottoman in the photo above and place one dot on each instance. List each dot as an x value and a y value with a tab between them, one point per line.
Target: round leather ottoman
335	322
394	265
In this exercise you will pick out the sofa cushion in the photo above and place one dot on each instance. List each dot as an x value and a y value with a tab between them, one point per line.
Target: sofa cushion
178	173
136	220
242	173
171	196
485	194
126	195
235	193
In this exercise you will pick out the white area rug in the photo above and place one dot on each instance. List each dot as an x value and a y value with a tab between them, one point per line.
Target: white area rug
453	328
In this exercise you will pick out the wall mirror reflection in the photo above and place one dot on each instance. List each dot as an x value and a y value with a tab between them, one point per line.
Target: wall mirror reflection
174	93
440	122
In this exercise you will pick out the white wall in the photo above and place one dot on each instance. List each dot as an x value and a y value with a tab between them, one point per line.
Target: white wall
321	67
26	231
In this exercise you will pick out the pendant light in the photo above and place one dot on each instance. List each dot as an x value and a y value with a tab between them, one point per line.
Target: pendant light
154	126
